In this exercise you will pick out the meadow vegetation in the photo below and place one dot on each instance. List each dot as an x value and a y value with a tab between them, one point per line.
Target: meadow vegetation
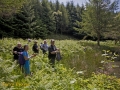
78	69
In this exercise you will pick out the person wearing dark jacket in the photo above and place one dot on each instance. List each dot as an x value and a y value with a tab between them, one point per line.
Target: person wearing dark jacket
35	47
17	50
52	50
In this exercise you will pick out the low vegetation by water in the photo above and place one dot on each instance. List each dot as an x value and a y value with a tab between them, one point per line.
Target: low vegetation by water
82	67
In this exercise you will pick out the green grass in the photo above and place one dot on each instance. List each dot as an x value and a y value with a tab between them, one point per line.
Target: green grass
60	37
76	70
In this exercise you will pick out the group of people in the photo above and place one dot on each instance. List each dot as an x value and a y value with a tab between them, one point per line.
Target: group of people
53	52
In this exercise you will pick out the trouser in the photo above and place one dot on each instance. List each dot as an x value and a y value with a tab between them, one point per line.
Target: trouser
52	62
44	51
21	68
36	51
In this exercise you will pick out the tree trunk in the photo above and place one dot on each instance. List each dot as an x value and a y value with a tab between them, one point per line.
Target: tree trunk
115	41
98	39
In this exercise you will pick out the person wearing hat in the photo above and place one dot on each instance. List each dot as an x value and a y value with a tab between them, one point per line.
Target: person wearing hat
52	51
35	47
17	50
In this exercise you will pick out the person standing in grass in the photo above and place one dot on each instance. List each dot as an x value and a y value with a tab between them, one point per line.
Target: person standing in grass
44	47
17	50
35	47
27	60
52	51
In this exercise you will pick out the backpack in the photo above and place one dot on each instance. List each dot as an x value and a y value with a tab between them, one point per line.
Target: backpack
58	56
21	59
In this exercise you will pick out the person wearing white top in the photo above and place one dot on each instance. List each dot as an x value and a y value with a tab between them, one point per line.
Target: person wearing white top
44	47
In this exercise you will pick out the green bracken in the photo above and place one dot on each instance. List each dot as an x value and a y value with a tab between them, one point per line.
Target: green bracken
76	71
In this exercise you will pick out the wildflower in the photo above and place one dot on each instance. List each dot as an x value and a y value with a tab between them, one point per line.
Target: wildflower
102	61
80	72
73	81
104	54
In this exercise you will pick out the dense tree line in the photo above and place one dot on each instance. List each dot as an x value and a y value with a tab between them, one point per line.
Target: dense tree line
39	18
